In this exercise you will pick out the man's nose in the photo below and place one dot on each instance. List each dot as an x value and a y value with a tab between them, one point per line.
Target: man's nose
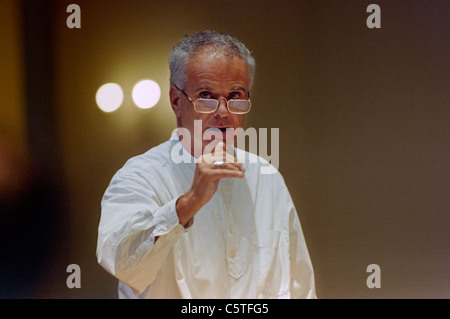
222	109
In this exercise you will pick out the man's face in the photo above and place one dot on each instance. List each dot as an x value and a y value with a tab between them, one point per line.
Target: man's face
211	76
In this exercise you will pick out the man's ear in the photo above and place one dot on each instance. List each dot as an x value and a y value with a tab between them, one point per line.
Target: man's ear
175	101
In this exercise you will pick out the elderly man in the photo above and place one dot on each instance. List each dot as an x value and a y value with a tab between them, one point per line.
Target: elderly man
212	226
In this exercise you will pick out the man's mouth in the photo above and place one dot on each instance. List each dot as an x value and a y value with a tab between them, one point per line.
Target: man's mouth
214	132
222	129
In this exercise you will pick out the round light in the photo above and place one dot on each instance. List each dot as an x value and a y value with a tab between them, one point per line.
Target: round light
146	94
109	97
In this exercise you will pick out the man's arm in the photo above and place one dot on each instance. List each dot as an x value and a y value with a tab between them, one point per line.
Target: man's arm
137	231
302	274
132	218
302	283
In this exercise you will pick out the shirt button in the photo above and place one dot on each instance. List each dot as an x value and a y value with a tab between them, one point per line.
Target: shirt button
233	254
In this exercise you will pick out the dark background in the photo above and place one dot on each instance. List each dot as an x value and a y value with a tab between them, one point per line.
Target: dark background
363	116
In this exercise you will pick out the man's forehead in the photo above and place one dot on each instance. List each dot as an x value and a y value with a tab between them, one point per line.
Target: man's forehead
205	71
207	57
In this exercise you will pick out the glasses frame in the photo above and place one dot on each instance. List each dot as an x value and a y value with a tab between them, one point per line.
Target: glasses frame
217	103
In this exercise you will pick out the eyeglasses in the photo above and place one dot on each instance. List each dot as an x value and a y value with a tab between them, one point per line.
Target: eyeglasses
234	106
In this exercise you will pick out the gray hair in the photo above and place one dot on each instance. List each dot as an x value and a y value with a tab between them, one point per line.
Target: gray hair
190	45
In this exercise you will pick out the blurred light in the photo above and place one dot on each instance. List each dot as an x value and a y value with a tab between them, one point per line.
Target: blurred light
146	94
109	97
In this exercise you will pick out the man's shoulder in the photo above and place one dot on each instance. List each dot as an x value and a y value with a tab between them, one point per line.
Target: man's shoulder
258	164
155	158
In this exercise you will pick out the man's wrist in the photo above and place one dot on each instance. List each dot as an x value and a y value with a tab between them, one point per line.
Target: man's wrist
186	209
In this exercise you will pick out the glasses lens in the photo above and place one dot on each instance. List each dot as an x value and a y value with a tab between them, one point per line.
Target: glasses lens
205	105
239	106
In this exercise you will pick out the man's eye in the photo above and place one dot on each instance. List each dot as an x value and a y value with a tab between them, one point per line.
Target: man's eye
205	95
234	96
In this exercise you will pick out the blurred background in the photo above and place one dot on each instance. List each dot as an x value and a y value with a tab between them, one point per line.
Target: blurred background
364	120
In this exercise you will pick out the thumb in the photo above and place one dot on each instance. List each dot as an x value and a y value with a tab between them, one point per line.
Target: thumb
219	150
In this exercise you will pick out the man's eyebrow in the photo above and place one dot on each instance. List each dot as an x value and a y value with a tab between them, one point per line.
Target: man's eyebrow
210	89
238	88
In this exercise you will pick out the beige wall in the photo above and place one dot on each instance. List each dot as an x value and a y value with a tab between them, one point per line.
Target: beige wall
363	117
12	123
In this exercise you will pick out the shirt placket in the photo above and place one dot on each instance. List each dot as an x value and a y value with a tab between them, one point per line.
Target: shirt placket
231	234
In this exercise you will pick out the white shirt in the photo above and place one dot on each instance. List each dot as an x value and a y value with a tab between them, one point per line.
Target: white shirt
246	242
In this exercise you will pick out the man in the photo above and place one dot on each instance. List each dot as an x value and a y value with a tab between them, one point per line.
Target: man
204	222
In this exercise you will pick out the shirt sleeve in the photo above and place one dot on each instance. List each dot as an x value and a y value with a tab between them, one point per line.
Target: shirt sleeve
302	274
302	283
132	218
